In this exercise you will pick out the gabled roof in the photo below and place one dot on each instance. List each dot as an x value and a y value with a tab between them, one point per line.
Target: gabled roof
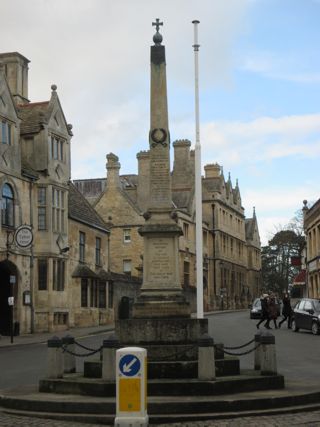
250	225
81	210
33	116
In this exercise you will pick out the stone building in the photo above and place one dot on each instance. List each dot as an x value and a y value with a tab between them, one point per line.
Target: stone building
312	233
231	242
54	247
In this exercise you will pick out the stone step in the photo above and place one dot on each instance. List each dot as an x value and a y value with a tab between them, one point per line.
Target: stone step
246	381
171	369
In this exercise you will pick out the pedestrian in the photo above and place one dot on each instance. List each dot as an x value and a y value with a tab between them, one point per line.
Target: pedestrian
264	310
286	310
272	311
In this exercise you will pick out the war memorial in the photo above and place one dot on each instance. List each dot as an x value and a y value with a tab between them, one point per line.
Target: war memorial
188	375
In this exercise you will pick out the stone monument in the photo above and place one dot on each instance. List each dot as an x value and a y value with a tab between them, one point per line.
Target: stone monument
161	314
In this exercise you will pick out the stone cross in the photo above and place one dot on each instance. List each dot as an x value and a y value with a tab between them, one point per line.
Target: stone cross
157	24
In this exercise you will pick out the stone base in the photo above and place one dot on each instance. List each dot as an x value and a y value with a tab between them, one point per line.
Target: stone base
164	308
139	332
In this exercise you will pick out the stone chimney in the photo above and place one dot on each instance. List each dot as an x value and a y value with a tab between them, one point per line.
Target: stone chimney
113	168
212	170
143	179
183	165
16	72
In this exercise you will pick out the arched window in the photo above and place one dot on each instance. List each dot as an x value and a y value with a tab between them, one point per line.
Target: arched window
7	206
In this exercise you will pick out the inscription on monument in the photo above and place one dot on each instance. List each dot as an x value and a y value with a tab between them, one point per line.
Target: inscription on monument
159	177
161	261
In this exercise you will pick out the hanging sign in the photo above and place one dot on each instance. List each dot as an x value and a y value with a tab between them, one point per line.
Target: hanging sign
24	236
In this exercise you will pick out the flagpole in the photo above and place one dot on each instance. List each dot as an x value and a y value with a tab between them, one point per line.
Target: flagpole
198	185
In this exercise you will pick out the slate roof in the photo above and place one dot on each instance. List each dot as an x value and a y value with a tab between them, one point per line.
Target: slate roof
83	270
181	198
81	210
33	116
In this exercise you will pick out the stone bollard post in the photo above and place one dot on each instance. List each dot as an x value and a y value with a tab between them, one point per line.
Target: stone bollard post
110	346
69	360
257	352
54	358
268	362
206	362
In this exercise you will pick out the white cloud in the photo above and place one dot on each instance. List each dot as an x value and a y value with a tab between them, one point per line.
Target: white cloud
286	67
263	139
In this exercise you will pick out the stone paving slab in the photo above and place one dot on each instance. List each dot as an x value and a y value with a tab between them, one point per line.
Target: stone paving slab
301	419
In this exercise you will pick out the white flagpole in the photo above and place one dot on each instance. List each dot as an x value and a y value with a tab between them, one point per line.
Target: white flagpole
198	185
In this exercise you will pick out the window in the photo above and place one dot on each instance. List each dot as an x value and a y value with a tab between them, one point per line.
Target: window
127	266
186	273
82	246
57	148
42	274
102	295
127	235
58	211
110	294
6	132
42	208
98	251
94	293
84	292
58	274
60	318
7	207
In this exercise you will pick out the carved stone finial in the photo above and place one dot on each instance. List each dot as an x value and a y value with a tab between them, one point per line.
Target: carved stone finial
54	88
157	38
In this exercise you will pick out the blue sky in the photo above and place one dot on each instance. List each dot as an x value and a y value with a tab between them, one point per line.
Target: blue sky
259	86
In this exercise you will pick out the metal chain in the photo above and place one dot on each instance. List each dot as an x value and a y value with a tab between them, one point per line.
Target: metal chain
84	347
240	346
65	350
242	354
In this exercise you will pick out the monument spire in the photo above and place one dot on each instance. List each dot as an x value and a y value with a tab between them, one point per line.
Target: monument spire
159	137
161	291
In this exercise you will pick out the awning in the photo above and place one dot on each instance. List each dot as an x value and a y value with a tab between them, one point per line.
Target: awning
85	272
300	279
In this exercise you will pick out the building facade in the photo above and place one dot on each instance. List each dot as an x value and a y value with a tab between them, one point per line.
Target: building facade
54	247
312	233
231	242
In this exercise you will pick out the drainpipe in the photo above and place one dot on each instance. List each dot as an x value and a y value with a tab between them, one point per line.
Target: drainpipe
31	260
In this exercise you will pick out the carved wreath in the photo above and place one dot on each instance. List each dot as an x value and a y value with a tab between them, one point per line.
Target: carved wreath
158	136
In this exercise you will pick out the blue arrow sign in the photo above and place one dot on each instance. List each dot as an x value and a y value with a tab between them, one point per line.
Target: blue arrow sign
129	365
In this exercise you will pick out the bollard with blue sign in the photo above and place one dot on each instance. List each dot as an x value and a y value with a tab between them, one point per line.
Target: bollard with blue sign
131	387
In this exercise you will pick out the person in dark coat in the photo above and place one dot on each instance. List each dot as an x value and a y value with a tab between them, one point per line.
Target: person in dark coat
272	312
264	310
286	311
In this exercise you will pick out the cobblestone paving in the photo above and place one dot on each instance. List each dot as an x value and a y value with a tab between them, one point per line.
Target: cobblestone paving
303	419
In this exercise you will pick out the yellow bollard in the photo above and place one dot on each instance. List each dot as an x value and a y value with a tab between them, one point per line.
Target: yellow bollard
131	387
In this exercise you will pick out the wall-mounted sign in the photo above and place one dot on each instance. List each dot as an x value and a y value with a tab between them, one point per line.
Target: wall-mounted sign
24	236
26	298
12	280
11	301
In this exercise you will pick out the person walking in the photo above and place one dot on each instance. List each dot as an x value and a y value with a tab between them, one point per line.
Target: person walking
264	310
272	311
286	310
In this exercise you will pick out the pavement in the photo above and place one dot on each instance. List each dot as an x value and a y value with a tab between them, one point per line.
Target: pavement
26	339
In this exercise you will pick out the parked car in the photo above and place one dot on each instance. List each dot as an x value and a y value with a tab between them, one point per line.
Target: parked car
256	311
306	315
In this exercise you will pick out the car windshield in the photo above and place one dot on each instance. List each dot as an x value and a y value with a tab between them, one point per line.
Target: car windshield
257	303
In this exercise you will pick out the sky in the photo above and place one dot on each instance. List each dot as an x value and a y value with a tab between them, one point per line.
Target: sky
259	86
